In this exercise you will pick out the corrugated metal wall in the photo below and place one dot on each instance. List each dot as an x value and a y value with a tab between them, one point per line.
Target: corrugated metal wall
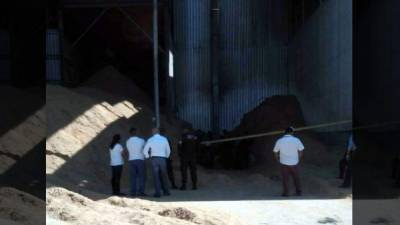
192	49
5	67
320	59
252	55
53	63
252	58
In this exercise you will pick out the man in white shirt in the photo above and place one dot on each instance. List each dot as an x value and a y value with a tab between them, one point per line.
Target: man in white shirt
135	146
157	148
288	151
345	163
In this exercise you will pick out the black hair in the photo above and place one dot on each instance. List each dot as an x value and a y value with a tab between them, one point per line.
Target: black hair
132	130
289	130
115	140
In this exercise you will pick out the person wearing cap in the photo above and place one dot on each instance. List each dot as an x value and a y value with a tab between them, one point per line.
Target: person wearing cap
345	164
158	150
135	146
288	151
187	149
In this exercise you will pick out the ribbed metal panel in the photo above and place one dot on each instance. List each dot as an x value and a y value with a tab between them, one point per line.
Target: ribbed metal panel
5	73
321	63
53	64
192	49
253	56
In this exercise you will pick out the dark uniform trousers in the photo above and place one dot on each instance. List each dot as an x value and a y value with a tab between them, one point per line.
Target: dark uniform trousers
191	165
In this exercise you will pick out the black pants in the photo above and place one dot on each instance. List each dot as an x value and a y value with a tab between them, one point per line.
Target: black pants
185	165
170	171
116	172
342	167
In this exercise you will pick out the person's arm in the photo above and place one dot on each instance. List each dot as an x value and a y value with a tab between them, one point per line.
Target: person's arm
146	150
300	149
167	149
276	151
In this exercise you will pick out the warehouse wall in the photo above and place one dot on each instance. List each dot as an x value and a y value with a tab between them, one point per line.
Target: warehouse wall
320	63
252	55
192	54
252	63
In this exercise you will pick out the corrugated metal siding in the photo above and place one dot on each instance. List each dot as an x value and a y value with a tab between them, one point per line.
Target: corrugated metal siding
192	51
53	64
252	57
5	70
321	64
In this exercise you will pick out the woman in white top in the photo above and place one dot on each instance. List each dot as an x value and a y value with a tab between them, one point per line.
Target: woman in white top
116	162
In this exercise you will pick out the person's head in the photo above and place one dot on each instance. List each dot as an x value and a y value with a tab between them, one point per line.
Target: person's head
289	130
155	130
133	131
116	138
162	131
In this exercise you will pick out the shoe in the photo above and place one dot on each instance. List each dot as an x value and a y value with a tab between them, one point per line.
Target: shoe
167	194
133	195
182	188
142	195
194	188
157	196
284	195
174	187
299	193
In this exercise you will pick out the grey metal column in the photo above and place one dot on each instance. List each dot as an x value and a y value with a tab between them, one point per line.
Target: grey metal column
155	54
215	65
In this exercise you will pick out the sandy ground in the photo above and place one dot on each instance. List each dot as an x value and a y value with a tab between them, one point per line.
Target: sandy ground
81	123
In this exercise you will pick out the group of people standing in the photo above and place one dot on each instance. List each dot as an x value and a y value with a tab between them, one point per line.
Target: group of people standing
158	149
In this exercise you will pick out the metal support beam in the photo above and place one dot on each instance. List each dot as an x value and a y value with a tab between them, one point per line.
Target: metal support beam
140	28
89	27
155	63
215	66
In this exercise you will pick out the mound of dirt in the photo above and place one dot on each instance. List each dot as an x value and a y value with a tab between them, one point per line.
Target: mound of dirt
72	208
20	208
22	135
80	124
110	80
273	114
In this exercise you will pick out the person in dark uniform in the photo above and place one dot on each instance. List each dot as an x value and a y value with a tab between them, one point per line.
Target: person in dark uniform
345	164
170	169
187	150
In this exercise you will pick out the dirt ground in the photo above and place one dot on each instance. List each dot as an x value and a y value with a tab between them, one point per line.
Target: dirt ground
80	124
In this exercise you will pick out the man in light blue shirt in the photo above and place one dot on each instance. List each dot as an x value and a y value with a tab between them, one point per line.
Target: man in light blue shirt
157	148
135	146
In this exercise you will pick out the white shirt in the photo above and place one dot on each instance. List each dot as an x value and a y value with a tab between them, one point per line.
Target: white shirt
135	148
288	147
116	156
351	146
158	145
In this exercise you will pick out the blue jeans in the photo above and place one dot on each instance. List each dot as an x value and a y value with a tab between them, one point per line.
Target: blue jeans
159	170
137	172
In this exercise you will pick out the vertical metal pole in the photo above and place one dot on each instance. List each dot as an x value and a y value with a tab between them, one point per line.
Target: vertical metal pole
155	55
215	65
63	79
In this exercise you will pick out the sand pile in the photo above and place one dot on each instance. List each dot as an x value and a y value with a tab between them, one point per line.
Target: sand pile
111	81
72	208
277	113
20	208
22	134
81	123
